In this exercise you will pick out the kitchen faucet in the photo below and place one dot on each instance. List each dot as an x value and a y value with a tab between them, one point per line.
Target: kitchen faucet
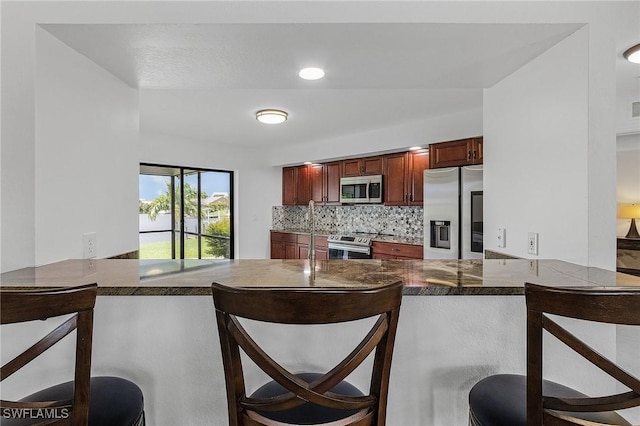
312	233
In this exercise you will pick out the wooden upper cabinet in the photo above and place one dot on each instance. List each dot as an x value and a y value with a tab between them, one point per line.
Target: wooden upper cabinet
395	179
325	182
296	185
478	143
332	175
462	152
418	163
403	178
316	176
362	166
289	175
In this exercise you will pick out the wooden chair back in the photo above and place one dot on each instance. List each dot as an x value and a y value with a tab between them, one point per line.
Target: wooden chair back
18	306
307	306
605	305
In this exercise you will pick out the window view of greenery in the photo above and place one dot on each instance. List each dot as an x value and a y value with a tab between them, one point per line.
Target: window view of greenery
184	221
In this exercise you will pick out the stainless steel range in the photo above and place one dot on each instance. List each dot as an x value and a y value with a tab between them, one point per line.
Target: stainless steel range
349	247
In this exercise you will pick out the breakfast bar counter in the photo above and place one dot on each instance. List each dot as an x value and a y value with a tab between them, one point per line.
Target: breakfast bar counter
469	324
498	277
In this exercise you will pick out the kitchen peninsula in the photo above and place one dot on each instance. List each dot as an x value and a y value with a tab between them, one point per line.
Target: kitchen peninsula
166	339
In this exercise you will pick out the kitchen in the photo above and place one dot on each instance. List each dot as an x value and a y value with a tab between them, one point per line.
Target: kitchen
499	119
381	203
564	85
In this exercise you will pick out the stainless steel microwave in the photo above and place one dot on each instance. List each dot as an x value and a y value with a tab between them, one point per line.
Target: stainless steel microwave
361	189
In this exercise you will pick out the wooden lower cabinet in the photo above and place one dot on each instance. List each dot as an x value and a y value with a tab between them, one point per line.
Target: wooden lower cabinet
283	245
288	245
382	250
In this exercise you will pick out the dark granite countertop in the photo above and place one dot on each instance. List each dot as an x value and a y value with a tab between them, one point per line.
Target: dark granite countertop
420	277
398	239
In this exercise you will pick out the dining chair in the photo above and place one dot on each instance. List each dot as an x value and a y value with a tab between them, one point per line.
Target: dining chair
86	400
514	400
309	397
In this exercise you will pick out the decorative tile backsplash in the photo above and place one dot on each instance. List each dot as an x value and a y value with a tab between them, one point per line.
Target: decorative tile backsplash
389	220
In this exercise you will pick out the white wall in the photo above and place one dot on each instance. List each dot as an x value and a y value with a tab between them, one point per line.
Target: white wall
86	124
257	185
536	170
18	74
418	133
17	141
628	176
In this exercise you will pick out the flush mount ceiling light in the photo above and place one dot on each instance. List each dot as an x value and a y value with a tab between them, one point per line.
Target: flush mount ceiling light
271	116
632	54
311	73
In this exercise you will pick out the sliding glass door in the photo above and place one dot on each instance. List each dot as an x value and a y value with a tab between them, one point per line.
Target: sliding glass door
185	213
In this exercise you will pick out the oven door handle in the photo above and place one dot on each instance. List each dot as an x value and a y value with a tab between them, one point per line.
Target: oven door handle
357	249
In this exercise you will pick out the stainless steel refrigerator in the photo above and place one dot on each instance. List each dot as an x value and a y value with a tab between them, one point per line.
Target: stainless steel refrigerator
453	224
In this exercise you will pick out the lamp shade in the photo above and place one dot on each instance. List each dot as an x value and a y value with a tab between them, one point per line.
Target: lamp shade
629	211
271	116
632	54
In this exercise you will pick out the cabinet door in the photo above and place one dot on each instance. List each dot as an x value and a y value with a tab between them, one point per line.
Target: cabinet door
450	154
289	186
351	167
303	251
477	155
372	165
332	174
419	162
395	179
316	178
291	251
384	250
278	250
303	185
322	254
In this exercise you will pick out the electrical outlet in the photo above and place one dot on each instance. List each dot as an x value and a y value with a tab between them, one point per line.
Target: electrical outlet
89	245
533	266
532	243
502	237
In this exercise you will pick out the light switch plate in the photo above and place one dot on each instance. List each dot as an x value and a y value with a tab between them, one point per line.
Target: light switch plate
502	237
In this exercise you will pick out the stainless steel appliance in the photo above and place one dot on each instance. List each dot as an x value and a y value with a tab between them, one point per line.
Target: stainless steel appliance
361	189
349	247
453	224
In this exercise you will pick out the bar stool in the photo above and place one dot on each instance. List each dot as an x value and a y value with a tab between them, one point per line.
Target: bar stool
515	400
86	400
310	397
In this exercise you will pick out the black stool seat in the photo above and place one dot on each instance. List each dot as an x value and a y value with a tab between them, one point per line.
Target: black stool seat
501	400
113	402
307	413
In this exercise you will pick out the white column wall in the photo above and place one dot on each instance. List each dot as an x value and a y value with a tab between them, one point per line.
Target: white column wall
536	154
86	126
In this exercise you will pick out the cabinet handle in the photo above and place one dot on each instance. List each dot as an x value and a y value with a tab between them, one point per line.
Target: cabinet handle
410	197
475	154
469	155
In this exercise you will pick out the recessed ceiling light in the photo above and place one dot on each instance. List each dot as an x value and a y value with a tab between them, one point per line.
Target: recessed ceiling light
307	163
415	148
632	54
271	116
311	73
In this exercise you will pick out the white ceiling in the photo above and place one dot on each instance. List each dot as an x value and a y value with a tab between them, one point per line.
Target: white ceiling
206	81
